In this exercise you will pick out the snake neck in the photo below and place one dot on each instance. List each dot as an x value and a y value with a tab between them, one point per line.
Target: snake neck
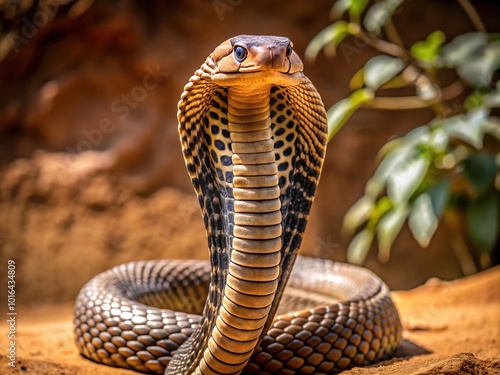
228	337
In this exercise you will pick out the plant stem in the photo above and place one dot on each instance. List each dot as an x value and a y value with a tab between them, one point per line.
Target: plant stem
457	243
393	35
472	14
384	46
414	102
399	103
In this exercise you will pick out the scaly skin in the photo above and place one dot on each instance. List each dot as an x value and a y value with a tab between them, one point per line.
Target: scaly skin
253	132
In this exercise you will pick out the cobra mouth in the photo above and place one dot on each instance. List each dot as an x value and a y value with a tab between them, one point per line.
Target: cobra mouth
257	76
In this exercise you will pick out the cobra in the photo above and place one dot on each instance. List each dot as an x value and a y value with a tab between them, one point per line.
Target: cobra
253	131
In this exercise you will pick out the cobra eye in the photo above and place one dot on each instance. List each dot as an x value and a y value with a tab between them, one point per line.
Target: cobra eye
289	50
240	53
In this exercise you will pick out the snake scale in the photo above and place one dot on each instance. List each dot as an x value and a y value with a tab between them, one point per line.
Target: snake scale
253	133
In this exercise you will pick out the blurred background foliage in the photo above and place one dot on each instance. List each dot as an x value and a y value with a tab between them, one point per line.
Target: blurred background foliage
444	172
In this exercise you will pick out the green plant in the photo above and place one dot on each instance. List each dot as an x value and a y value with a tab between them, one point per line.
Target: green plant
443	171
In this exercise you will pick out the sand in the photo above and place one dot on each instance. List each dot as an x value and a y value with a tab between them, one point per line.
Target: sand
450	328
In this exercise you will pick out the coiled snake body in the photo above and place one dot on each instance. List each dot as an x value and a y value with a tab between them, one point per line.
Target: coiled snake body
253	133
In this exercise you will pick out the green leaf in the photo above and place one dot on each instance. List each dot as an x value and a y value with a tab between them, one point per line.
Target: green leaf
339	8
464	46
428	51
358	80
439	195
357	214
355	8
478	70
400	149
334	33
418	135
439	140
381	69
374	186
492	128
468	127
379	14
382	206
475	100
359	246
406	178
422	220
480	170
492	100
427	91
483	223
388	229
340	112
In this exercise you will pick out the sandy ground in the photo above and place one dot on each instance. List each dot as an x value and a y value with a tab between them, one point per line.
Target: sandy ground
450	328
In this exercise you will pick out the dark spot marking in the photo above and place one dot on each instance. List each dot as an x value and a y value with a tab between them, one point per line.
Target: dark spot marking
290	124
279	131
272	101
278	144
282	181
229	177
214	115
301	226
288	151
289	112
290	137
215	129
280	107
220	174
224	121
274	89
281	96
283	166
225	133
220	145
215	158
277	157
205	121
226	160
208	139
280	119
191	168
273	113
215	104
221	96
